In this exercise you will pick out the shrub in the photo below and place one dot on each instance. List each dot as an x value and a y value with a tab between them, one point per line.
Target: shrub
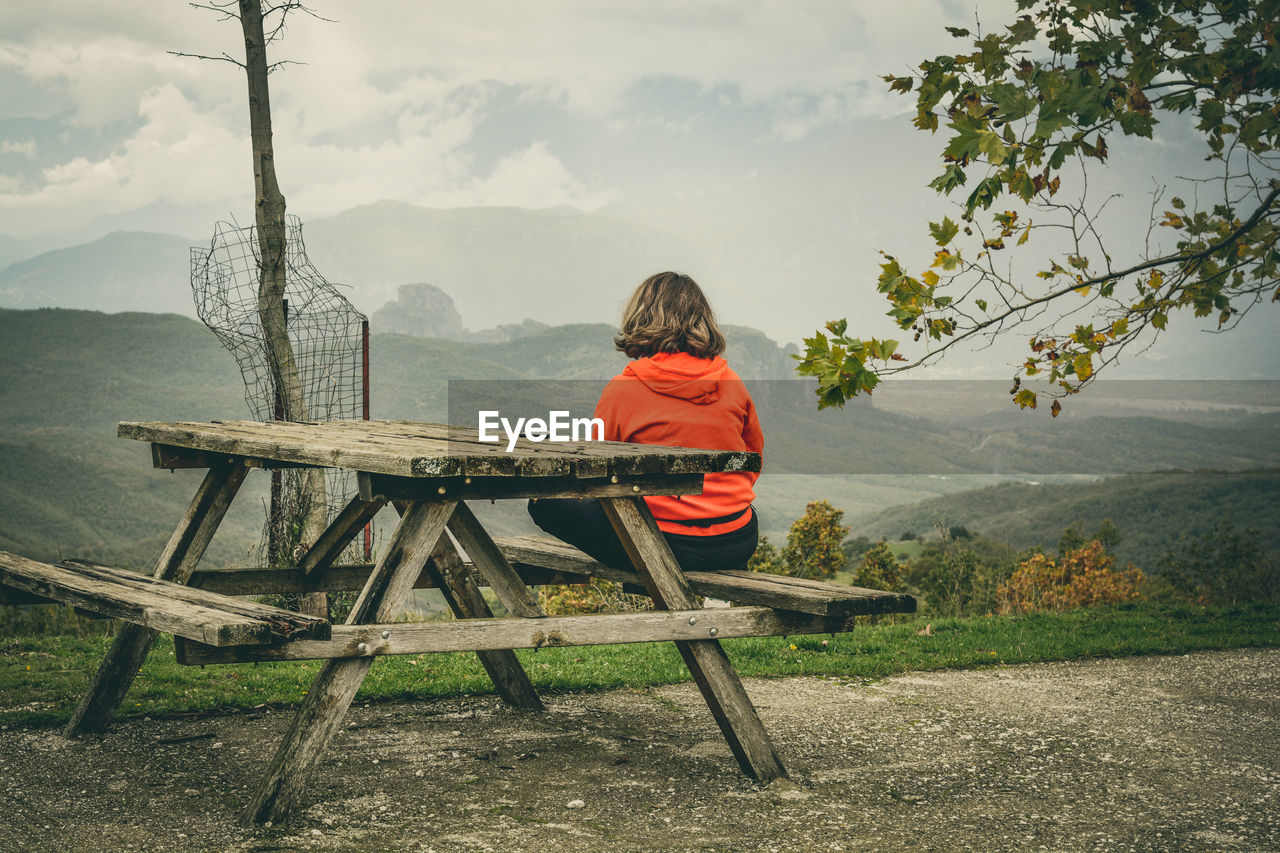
598	596
1222	566
952	584
879	569
766	558
813	543
1079	578
813	547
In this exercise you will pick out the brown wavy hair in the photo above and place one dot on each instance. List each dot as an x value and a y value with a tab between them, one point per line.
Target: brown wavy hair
669	313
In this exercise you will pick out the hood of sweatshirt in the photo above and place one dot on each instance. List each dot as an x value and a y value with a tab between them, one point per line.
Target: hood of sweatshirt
681	375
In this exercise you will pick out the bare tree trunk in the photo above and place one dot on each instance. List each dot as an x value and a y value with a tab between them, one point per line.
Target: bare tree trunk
272	244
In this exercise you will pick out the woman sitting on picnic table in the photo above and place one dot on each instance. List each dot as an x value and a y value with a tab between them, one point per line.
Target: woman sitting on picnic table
677	391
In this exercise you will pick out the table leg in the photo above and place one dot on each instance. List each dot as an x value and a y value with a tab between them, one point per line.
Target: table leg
339	534
330	545
506	584
466	602
330	695
707	662
177	561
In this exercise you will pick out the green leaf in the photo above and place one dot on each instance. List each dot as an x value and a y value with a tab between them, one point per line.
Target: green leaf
990	144
984	194
1024	30
945	232
952	177
965	144
830	397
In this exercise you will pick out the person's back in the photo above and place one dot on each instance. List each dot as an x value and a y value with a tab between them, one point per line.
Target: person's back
678	391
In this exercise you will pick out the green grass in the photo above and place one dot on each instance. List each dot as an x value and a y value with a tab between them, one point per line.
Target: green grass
42	676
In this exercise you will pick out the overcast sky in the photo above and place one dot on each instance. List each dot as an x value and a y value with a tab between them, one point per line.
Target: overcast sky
661	111
443	103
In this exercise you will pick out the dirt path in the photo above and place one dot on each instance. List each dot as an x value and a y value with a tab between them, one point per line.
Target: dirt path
1140	754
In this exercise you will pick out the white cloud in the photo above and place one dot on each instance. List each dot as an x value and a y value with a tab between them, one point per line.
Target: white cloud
534	177
101	78
27	147
392	94
178	153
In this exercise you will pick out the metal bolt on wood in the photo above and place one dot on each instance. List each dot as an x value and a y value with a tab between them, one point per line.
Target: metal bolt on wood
714	632
386	635
362	649
693	620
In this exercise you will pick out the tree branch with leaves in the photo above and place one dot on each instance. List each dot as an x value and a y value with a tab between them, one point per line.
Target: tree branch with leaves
1036	101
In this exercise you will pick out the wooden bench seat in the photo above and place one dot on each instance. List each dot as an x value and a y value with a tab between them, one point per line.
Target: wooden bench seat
541	561
207	617
819	598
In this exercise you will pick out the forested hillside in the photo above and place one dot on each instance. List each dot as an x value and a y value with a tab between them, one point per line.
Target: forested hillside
69	486
1150	511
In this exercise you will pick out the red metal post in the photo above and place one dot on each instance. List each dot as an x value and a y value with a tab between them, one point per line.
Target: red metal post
364	393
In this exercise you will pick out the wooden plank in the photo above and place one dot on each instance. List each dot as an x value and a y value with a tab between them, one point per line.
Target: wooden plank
172	458
816	597
508	586
427	450
707	662
333	689
161	605
292	444
178	559
466	602
290	622
283	581
413	638
338	535
378	486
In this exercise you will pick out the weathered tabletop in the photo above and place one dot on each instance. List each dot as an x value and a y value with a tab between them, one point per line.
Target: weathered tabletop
414	449
429	471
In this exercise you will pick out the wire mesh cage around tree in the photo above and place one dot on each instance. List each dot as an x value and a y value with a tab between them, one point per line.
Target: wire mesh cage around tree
327	336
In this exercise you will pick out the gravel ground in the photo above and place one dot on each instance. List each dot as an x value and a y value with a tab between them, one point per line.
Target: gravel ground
1139	754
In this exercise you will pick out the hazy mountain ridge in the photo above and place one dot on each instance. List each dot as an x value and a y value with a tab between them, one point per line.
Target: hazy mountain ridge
499	265
123	271
505	267
1150	511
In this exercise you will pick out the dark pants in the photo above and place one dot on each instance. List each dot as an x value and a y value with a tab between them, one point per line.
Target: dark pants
583	524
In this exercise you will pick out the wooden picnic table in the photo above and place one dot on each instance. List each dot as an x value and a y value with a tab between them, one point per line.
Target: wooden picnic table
429	471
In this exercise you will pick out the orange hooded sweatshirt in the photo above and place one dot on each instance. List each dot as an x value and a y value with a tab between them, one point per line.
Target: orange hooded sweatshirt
680	400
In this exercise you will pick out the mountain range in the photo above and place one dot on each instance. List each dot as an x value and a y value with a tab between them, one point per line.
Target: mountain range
68	486
785	273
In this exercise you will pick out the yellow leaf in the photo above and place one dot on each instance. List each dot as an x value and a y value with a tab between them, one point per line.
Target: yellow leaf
1083	365
930	277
